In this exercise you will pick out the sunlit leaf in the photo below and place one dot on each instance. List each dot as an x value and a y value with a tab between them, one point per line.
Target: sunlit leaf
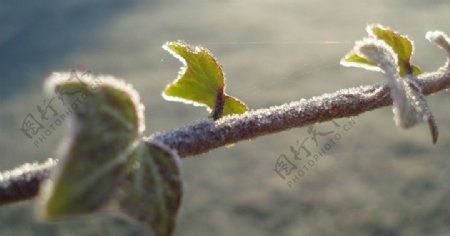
388	51
152	189
233	106
352	59
201	81
104	130
400	44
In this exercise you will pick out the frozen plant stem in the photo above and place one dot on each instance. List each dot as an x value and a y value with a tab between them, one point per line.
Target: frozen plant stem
206	135
23	182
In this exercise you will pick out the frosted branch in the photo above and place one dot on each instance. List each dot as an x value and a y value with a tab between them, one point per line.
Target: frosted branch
23	182
206	135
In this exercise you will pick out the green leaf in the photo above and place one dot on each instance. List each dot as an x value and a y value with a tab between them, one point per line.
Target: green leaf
201	81
152	189
416	70
105	164
105	129
401	45
233	106
355	60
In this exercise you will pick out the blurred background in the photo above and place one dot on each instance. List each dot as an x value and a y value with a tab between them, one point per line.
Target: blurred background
374	180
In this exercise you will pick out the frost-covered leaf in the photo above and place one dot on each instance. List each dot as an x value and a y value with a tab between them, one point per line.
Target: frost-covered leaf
388	51
410	106
400	44
106	164
378	53
201	81
371	54
105	126
152	189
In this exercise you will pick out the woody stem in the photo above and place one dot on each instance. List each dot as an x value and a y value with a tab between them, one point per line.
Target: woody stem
23	183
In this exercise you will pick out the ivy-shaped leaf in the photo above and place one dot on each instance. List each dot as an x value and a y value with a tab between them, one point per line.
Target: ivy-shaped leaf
105	163
409	104
151	192
104	128
201	81
401	45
